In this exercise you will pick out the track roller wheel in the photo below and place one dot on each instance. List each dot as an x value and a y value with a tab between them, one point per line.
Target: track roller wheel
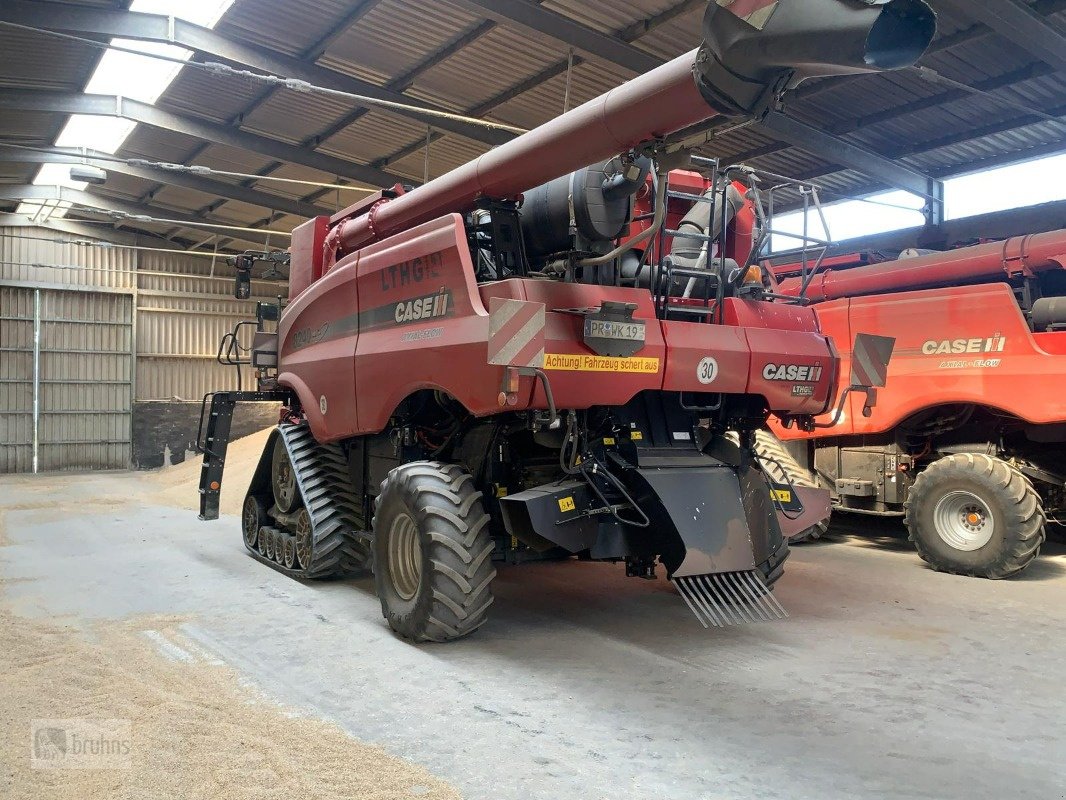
976	515
272	543
279	547
283	479
253	517
289	554
432	552
264	539
783	468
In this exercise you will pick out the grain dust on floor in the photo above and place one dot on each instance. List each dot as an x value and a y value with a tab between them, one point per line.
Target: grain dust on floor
196	732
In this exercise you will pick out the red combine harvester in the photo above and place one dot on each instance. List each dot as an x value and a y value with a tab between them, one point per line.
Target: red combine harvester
968	441
468	375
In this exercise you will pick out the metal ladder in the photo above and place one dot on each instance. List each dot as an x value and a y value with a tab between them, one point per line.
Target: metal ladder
666	273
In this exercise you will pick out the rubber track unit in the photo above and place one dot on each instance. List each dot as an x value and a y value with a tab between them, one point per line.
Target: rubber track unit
1025	515
783	468
340	546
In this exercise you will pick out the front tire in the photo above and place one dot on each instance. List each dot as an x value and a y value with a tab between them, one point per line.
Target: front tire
976	515
432	552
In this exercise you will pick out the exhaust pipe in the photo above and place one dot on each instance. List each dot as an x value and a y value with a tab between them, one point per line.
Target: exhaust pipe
754	53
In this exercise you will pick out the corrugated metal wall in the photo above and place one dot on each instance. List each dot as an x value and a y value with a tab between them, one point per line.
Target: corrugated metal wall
118	325
86	374
68	364
36	256
16	380
182	314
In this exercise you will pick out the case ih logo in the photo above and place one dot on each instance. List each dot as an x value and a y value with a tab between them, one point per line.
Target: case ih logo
427	306
792	372
949	347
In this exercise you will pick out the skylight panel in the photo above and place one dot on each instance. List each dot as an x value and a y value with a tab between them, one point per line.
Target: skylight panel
137	77
199	12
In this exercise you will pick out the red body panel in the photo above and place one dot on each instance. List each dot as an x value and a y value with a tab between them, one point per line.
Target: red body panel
1022	255
954	345
405	314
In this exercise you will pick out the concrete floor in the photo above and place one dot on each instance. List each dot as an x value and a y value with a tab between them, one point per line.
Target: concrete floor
888	680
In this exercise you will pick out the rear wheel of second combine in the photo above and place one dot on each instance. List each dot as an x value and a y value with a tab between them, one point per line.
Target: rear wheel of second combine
783	468
973	514
432	552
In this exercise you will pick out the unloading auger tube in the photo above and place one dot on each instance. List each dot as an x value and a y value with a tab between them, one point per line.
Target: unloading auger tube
467	380
739	70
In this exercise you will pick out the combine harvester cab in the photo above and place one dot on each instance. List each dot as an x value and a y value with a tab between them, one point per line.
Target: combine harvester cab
968	441
503	365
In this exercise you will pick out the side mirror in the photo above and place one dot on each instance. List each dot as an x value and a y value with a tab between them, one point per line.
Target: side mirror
267	312
242	283
870	357
242	286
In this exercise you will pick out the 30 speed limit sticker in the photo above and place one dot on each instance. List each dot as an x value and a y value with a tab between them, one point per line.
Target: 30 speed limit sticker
707	370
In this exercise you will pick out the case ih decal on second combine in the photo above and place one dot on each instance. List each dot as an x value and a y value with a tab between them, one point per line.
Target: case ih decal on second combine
509	363
968	441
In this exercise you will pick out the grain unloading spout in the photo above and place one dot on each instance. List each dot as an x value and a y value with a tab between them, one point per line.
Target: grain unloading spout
755	49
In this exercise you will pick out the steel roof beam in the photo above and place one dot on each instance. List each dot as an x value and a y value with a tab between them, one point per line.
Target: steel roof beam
1021	24
64	194
197	183
310	54
405	80
112	106
171	30
546	74
943	173
1034	70
538	19
359	9
399	84
844	153
631	33
988	86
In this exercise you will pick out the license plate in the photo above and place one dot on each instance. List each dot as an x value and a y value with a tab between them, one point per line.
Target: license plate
623	331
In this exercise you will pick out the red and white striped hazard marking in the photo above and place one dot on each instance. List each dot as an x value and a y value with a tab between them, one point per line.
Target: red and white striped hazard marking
869	359
516	333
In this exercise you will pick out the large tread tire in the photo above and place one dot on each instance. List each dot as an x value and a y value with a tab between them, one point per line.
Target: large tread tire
1016	511
453	591
783	468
